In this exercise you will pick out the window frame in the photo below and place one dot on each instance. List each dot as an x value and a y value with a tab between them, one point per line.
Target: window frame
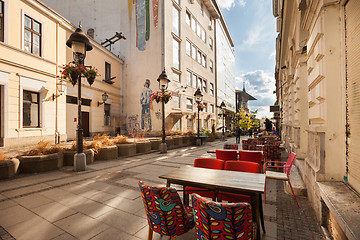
189	78
178	54
179	102
176	8
188	105
211	43
204	85
32	32
211	65
107	118
212	92
107	74
2	21
188	18
38	107
186	46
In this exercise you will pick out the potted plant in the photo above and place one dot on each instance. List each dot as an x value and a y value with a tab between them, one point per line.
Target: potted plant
91	74
71	72
201	106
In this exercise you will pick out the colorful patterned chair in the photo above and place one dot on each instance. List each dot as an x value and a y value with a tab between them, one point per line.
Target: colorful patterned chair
165	212
231	146
222	220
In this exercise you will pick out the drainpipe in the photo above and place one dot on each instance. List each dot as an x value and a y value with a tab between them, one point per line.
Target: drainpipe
163	36
215	64
57	134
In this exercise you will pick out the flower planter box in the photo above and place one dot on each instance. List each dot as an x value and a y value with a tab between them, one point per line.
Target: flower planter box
155	144
143	147
107	153
69	157
169	142
126	150
9	168
178	141
40	163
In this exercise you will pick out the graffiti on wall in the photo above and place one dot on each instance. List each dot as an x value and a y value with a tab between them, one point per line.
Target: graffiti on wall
133	124
146	106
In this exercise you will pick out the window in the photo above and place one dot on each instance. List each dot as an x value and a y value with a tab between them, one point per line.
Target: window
188	48
198	30
2	17
194	78
199	83
176	21
31	109
176	101
211	66
188	18
193	24
193	52
210	43
177	2
176	77
204	60
176	54
204	86
199	57
107	71
203	35
73	100
177	124
189	104
32	36
189	124
188	78
202	9
211	89
106	114
206	107
212	108
206	124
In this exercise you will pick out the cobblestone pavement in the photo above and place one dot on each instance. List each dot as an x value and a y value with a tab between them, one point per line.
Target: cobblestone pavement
104	201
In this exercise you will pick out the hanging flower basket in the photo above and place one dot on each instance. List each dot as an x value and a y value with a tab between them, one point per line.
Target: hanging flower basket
91	74
201	106
159	97
71	72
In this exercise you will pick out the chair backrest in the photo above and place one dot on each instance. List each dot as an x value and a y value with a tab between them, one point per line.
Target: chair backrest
242	166
226	154
289	163
250	156
164	210
210	163
228	220
231	146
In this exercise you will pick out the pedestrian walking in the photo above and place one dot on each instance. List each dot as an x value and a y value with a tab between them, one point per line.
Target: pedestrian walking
237	134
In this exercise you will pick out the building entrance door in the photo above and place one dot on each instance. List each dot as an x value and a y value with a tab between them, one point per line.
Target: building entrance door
85	123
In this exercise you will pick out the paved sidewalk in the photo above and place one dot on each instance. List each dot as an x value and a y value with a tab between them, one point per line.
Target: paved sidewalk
104	202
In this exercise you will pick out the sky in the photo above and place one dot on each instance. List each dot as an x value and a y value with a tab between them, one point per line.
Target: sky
253	30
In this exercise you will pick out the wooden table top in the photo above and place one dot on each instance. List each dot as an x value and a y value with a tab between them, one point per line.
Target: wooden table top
229	181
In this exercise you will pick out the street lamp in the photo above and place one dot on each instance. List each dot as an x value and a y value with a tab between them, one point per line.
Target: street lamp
198	98
163	85
104	97
222	106
79	44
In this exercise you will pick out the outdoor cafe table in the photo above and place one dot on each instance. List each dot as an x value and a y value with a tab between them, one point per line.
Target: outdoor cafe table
251	184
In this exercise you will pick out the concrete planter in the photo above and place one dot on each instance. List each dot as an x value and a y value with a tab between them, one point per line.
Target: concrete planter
178	141
193	139
155	144
41	163
9	168
169	142
69	157
143	147
126	150
186	140
211	138
107	153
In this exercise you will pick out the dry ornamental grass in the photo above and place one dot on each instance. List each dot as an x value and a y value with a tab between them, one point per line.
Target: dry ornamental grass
43	148
3	157
121	139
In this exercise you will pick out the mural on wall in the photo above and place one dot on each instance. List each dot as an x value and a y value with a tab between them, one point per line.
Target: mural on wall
133	124
147	33
145	106
130	4
155	5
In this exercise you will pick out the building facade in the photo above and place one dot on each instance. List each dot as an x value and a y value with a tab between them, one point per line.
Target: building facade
176	35
31	57
317	78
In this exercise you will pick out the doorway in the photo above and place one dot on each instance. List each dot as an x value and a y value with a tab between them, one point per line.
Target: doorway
85	123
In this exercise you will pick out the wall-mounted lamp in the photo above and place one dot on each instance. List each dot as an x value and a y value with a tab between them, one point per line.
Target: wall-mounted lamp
104	97
60	89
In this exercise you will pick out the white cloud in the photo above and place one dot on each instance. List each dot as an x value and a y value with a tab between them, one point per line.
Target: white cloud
273	54
228	4
260	85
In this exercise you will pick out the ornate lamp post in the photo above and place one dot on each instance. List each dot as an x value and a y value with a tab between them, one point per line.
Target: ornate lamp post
79	44
198	98
222	106
163	85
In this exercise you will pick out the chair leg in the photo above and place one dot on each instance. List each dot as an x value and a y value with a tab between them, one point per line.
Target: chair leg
293	192
265	192
261	213
150	234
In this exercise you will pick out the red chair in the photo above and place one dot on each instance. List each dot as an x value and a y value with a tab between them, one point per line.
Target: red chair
226	155
285	176
210	163
251	156
242	166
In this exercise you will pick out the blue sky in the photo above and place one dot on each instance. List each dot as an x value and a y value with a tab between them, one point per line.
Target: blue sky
252	27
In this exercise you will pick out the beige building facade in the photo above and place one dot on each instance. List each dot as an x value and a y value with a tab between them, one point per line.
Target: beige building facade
317	77
33	49
178	36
